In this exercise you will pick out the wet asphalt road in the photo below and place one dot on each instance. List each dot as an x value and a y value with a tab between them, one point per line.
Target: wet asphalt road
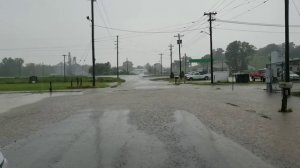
153	124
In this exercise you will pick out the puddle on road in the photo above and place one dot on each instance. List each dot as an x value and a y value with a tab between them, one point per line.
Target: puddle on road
92	139
10	101
122	145
216	150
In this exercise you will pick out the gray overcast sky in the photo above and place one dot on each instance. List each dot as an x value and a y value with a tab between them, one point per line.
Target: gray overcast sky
42	30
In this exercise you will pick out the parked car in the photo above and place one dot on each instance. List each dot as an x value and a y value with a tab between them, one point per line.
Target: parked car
197	76
190	73
3	163
260	74
294	76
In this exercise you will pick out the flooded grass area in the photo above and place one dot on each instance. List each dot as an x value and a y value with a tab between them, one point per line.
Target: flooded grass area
46	86
43	84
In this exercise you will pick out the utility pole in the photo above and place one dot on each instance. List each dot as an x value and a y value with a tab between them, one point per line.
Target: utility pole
70	64
171	52
161	67
93	42
287	42
127	66
286	90
184	65
64	67
118	57
179	42
43	71
210	14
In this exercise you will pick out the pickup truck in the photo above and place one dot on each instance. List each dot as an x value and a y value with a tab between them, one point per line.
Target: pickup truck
260	74
197	76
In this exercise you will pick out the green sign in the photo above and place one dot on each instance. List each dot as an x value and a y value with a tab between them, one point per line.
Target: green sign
202	60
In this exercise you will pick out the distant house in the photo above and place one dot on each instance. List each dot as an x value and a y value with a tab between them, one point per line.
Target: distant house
127	65
295	65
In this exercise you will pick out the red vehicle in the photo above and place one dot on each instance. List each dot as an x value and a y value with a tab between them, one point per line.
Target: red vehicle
260	74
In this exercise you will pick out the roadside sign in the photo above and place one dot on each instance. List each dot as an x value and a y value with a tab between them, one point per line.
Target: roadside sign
202	60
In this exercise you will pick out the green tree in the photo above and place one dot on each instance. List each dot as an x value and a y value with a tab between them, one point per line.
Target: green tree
19	63
11	67
262	56
101	69
149	68
238	55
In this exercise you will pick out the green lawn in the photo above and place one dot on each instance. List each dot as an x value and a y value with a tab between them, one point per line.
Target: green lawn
46	86
22	84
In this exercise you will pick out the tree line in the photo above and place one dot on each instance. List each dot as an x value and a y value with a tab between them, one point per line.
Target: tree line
14	67
239	56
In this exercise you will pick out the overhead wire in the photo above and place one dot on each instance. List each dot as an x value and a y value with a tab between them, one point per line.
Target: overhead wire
228	4
255	24
216	7
144	32
251	9
296	7
102	17
237	6
105	12
255	31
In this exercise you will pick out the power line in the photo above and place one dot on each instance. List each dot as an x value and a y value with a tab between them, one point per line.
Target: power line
255	24
39	48
104	21
297	9
150	32
237	6
228	4
249	10
254	31
194	41
239	15
216	7
243	3
105	12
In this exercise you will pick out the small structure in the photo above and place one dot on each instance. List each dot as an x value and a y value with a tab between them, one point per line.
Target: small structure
33	79
242	78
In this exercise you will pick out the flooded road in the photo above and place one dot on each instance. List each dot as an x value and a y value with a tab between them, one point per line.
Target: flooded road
153	124
107	140
9	101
